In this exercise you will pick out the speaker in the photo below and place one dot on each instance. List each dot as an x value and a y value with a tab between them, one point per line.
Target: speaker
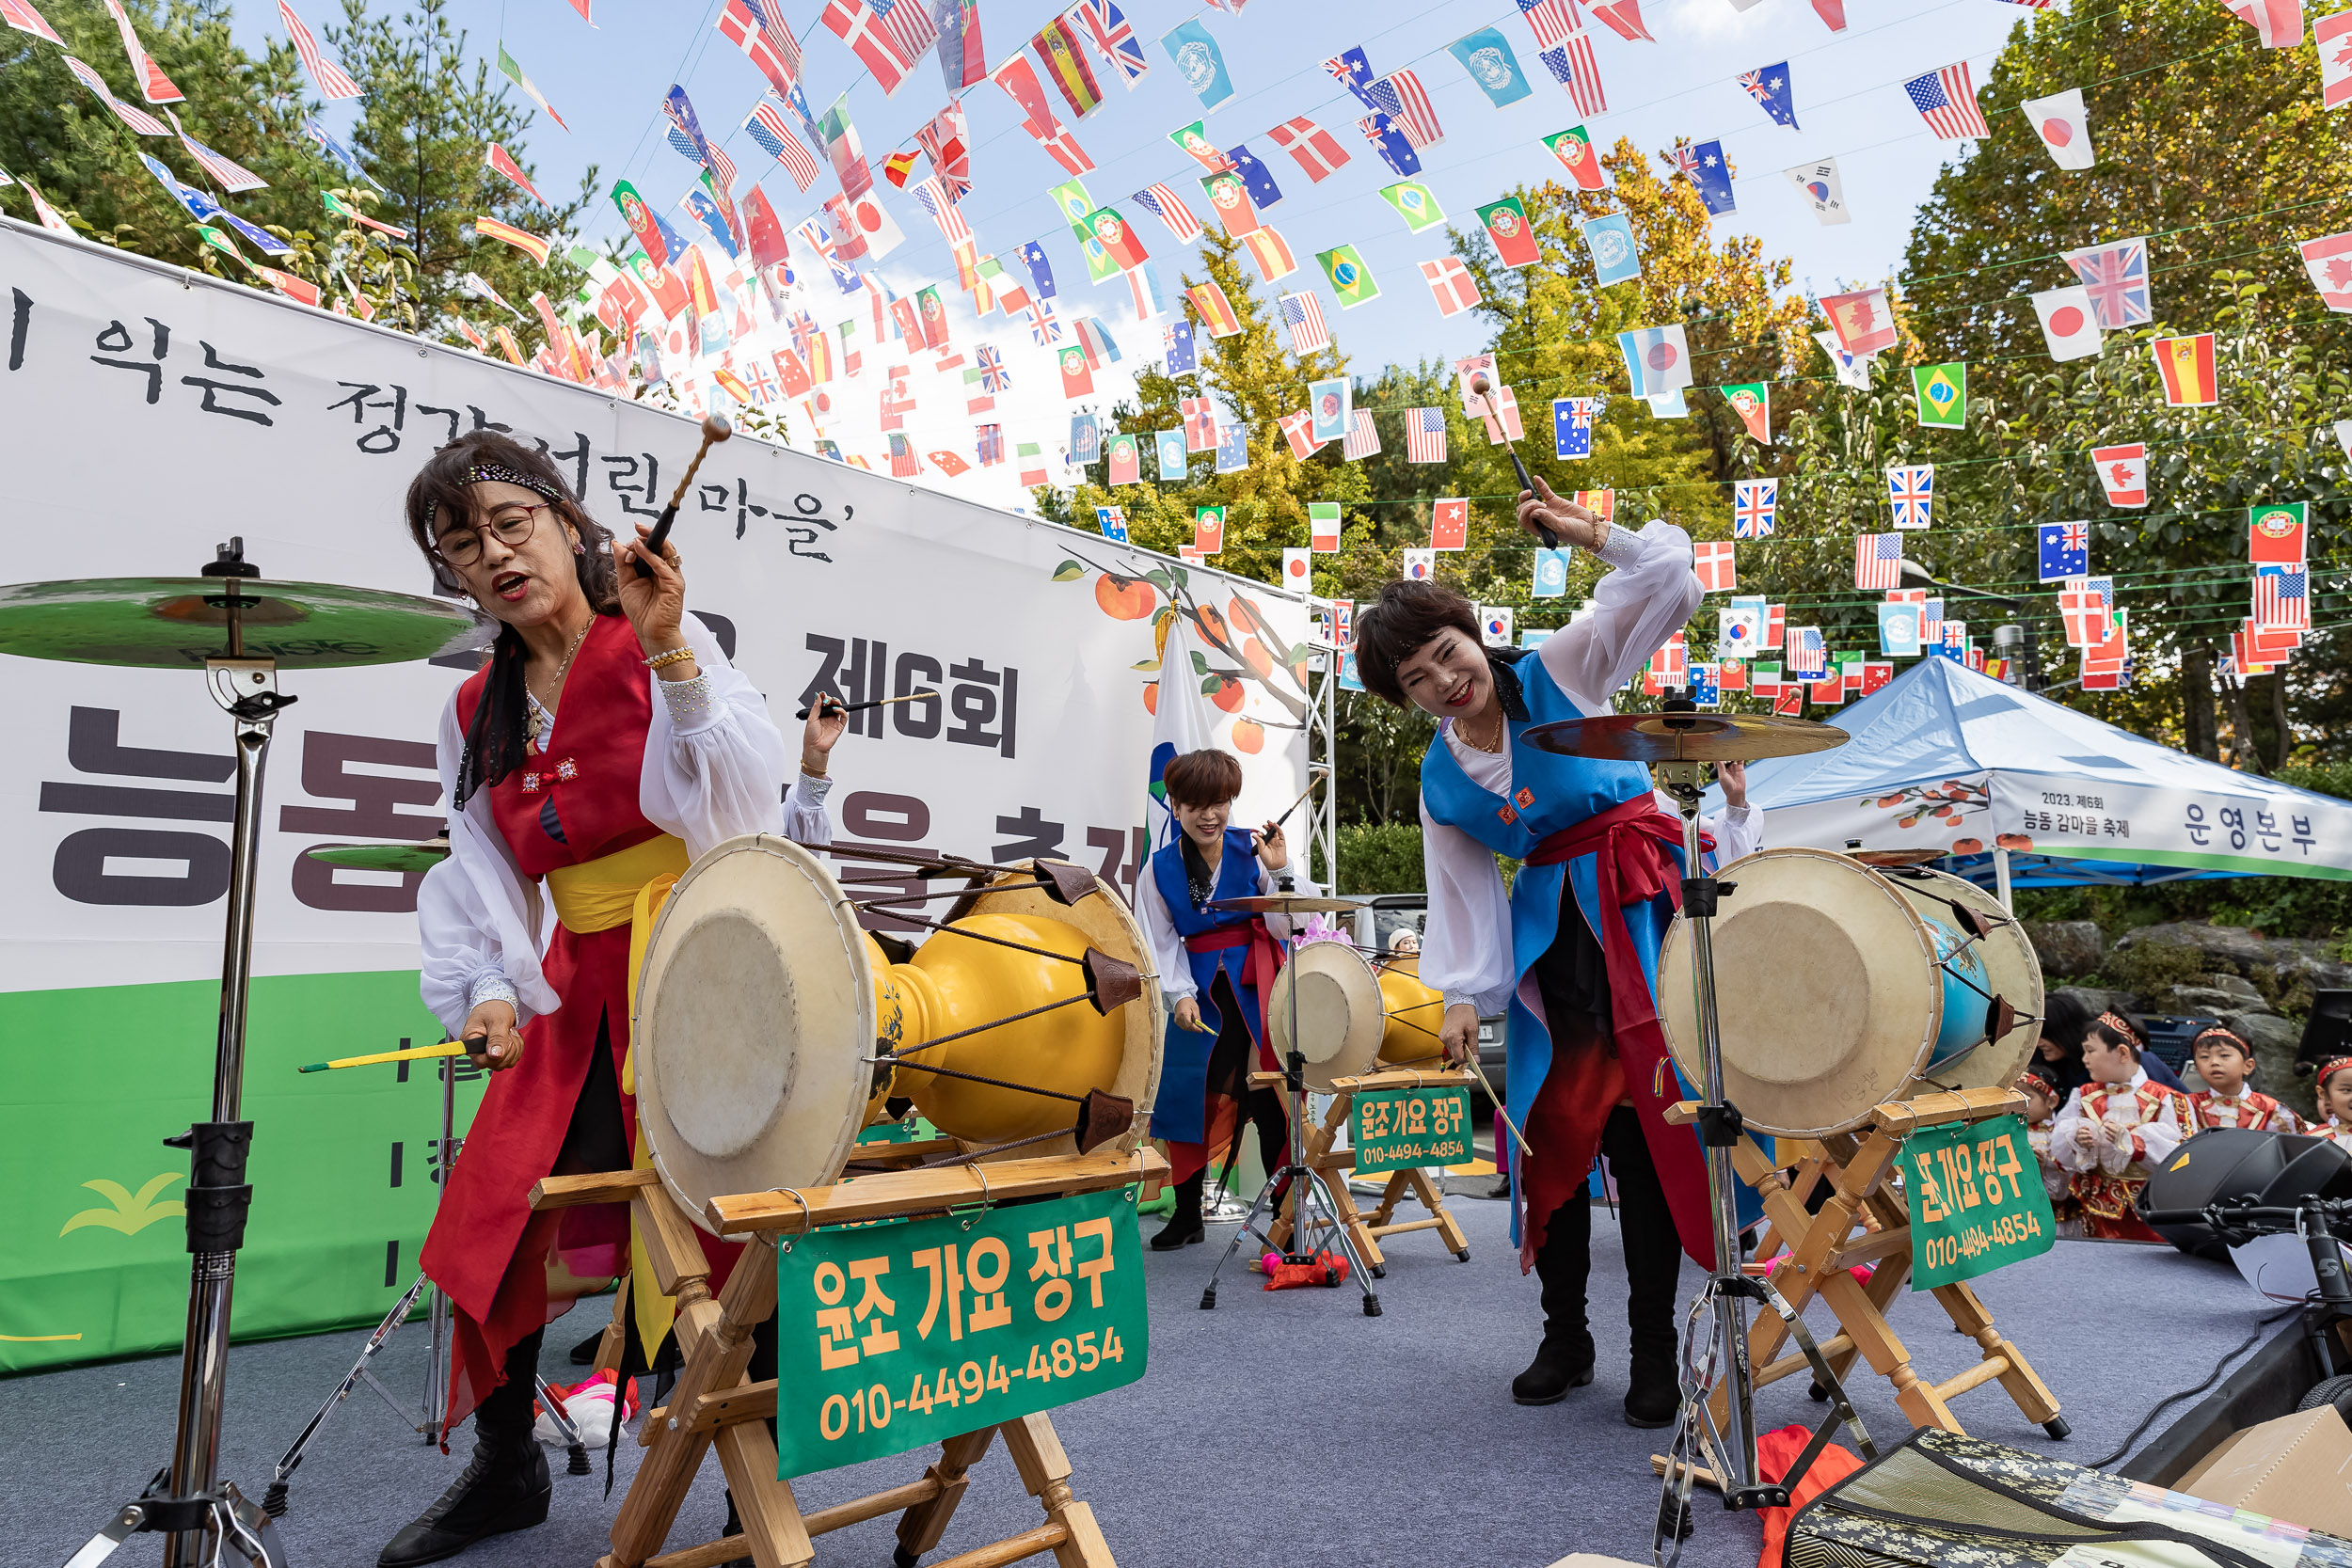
2222	1162
2326	1034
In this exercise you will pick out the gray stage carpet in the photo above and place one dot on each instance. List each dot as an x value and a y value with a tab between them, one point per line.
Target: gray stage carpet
1280	1428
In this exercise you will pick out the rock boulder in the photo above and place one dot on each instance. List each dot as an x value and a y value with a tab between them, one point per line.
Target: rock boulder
2067	947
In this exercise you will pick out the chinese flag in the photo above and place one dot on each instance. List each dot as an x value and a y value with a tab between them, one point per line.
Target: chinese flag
953	465
1449	526
2187	366
792	374
1875	674
766	232
1789	700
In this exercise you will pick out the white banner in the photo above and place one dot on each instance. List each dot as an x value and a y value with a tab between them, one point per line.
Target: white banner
152	414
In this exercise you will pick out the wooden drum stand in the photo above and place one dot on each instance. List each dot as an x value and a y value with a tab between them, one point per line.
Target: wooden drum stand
1333	1164
714	1405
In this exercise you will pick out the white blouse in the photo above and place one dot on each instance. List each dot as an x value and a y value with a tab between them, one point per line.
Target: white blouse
1466	947
717	775
1738	830
1167	948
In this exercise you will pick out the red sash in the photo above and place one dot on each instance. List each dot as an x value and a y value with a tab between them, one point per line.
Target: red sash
1264	959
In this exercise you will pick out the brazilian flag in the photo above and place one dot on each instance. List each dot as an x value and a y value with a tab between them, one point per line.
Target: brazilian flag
1350	279
1943	394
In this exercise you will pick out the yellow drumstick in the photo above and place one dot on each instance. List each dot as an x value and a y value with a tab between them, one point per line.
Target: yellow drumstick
415	1054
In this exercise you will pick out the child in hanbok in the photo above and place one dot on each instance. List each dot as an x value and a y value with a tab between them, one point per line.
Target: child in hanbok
2041	1104
2224	1062
2116	1129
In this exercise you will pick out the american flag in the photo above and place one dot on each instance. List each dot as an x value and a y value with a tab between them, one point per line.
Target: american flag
1114	36
1947	99
909	27
2281	596
137	119
332	79
1401	96
768	128
1551	20
1753	502
2116	277
1363	437
721	164
991	443
769	15
1451	284
232	176
1573	67
1808	653
1317	152
1911	489
1424	434
1166	205
903	463
1878	561
991	363
943	212
1303	314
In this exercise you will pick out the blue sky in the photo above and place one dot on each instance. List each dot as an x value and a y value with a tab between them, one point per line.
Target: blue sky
608	82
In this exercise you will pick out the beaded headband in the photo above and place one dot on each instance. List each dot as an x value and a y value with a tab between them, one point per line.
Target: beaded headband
499	473
2116	1024
2218	1032
2333	1068
2039	1084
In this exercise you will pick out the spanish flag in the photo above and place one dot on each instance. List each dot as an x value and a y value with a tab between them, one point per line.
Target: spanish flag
1216	313
2187	366
1057	51
529	244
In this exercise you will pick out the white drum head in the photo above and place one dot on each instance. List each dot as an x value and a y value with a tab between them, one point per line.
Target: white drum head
1341	1017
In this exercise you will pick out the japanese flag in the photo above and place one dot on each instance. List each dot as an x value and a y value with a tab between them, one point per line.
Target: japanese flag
873	222
2068	322
1298	569
2063	127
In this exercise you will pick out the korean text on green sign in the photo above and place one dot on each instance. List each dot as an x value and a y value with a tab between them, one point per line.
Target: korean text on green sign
1400	1128
891	1337
1977	1200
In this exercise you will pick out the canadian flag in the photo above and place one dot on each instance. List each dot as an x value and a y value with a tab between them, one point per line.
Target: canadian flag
1713	560
2068	324
2334	35
2063	126
2330	262
2279	23
2123	470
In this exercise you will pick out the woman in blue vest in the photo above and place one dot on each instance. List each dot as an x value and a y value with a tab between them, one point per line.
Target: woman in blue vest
1215	967
1571	952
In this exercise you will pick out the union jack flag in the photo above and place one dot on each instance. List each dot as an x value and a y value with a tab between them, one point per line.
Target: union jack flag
1170	208
944	141
1911	489
768	128
1115	38
1363	437
1304	316
762	382
991	363
1878	561
2116	277
2281	596
1551	20
1754	504
991	444
1044	328
1424	434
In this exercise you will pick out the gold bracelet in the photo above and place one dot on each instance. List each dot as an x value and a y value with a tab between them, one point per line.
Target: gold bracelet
674	656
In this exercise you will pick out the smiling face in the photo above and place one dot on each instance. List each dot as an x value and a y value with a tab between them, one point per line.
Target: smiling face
1205	825
523	585
1447	676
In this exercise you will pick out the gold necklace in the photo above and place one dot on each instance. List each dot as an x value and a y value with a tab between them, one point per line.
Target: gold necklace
556	684
1502	724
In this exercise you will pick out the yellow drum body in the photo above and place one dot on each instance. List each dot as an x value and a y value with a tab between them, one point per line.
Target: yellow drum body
1414	1011
956	983
889	1025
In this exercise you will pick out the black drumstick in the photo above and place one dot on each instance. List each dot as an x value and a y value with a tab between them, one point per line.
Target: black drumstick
1481	387
715	429
839	707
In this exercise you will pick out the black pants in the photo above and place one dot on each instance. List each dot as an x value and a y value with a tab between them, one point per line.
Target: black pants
1653	1253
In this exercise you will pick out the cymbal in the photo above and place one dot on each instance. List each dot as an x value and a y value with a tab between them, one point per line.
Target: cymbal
385	856
1684	736
1896	857
179	622
1287	903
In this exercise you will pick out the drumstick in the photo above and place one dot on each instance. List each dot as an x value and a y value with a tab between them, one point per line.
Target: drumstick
415	1054
1472	1065
715	429
860	708
1481	387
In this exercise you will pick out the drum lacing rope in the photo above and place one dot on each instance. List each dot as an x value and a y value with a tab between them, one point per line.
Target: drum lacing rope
977	1078
976	936
808	1218
948	893
995	1148
906	1051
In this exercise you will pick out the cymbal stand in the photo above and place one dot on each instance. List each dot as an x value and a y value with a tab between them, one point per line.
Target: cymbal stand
1314	1219
1715	1330
187	1501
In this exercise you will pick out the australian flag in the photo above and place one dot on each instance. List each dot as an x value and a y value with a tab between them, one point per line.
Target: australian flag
1572	427
1705	164
1233	446
1769	86
707	212
1041	270
2065	550
1177	340
1387	138
1353	70
1255	177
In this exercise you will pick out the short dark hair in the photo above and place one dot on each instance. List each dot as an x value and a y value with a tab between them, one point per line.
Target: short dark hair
2118	1030
1400	624
1205	778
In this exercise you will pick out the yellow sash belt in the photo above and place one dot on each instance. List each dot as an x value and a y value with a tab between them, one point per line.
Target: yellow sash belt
628	886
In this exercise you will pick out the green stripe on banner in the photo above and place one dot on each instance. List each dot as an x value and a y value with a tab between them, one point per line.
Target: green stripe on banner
93	1256
2248	864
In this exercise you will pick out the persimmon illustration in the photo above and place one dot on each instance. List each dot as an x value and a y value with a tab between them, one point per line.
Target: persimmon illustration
1124	598
1214	624
1254	653
1228	694
1967	846
2022	842
1248	735
1151	698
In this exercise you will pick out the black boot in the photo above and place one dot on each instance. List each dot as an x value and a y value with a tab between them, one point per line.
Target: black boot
503	1487
1563	1264
1183	1225
1655	1397
1563	1361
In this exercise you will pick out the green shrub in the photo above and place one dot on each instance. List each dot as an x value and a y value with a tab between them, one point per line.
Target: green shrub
1384	857
2150	969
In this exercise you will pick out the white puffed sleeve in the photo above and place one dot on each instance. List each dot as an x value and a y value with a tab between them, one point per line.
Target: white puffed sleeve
804	817
1466	942
719	771
2064	1151
1645	600
478	916
1739	832
1167	948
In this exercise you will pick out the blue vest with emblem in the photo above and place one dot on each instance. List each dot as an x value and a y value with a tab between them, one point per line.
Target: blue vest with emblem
1180	1114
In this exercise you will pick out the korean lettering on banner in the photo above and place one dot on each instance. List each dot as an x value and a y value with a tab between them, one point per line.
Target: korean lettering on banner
1410	1127
2237	826
901	824
892	1337
1977	1200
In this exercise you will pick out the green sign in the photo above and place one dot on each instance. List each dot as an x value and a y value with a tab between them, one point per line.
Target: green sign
891	1337
1977	1200
1403	1128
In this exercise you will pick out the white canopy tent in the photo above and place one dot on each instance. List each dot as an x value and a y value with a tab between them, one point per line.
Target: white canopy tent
2021	791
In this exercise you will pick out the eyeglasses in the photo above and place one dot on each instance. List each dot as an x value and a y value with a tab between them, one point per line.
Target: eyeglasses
512	523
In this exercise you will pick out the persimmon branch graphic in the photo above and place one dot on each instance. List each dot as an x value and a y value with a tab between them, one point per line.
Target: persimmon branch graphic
1949	801
1182	601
